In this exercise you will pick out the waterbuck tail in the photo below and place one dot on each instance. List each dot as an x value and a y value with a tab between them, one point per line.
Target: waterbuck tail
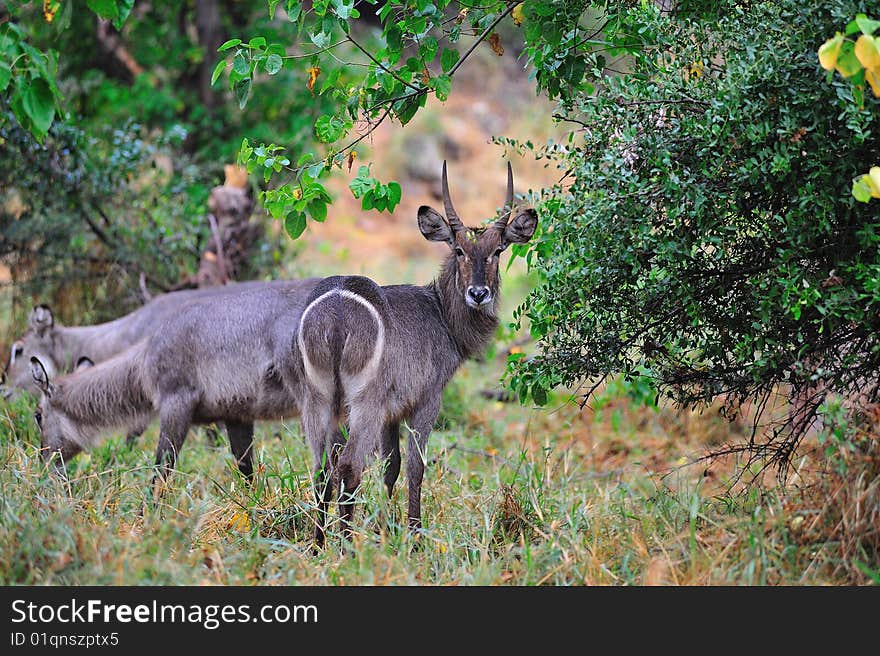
342	337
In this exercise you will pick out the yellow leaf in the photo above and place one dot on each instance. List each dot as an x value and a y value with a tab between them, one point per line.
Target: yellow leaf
495	43
874	181
868	53
50	8
874	80
517	13
240	522
828	52
314	72
462	15
351	157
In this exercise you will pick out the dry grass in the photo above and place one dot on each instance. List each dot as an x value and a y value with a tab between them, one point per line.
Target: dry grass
512	496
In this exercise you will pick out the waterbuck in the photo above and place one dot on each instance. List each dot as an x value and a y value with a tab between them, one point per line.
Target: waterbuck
60	347
374	357
222	357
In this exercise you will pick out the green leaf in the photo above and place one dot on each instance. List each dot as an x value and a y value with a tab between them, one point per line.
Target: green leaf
861	190
320	39
318	210
273	4
241	90
328	128
847	62
406	109
442	85
123	9
363	184
343	9
5	76
274	63
866	25
218	71
295	224
448	59
229	44
428	49
539	394
394	195
104	8
294	10
257	43
241	65
38	103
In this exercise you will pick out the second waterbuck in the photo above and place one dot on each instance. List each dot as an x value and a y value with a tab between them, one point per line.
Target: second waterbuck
375	357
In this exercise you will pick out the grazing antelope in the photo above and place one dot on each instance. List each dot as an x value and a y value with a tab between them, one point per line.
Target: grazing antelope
222	357
374	357
60	347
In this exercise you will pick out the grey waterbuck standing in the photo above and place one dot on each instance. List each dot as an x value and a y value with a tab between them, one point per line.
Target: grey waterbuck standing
224	357
375	357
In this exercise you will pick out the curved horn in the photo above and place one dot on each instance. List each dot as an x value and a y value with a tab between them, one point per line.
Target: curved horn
507	210
451	215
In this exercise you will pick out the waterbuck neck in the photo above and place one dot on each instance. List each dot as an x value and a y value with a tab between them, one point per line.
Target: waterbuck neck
471	329
108	395
70	342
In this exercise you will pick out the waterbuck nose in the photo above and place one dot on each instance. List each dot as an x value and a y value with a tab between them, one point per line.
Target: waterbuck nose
478	294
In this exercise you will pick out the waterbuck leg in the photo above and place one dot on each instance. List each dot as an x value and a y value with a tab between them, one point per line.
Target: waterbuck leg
321	434
391	454
174	422
364	440
241	441
422	423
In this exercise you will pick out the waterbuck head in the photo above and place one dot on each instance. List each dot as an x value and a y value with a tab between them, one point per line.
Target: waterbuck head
475	251
36	342
57	431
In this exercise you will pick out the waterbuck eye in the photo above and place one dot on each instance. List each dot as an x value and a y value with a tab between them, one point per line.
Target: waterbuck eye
498	252
38	417
459	252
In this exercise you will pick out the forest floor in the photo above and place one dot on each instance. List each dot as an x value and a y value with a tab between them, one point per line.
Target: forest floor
612	493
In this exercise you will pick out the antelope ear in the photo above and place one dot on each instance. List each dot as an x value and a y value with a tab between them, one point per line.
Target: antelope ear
41	320
521	229
16	353
83	363
433	226
41	378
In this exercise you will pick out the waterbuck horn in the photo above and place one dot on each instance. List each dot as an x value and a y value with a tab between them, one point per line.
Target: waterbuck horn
451	215
507	210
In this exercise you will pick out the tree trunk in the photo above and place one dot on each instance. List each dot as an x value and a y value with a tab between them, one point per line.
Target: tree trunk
210	31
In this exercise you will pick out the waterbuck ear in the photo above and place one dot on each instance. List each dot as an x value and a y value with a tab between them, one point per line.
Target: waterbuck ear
41	319
433	226
83	363
521	229
16	353
41	378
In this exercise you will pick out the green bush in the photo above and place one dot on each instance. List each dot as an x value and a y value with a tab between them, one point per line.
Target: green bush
705	237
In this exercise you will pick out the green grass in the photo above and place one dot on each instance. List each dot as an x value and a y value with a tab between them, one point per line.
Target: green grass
506	501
